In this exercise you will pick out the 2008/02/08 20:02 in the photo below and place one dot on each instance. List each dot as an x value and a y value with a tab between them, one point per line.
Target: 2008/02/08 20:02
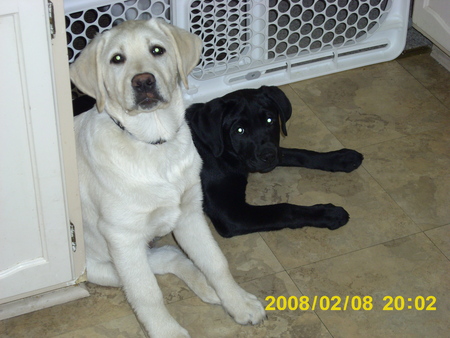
356	303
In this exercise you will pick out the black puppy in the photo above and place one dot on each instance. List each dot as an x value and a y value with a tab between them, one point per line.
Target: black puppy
239	133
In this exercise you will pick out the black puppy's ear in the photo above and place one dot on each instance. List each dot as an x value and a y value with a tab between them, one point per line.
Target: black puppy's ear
281	103
205	120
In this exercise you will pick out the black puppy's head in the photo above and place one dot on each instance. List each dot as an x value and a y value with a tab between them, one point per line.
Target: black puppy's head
244	124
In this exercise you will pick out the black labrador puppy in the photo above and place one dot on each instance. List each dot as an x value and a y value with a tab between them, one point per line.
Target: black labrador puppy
239	133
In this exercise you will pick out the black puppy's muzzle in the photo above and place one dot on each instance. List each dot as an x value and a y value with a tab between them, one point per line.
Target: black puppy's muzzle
145	90
268	156
266	161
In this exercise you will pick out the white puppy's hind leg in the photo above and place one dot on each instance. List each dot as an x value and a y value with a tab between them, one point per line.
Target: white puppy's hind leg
102	273
169	259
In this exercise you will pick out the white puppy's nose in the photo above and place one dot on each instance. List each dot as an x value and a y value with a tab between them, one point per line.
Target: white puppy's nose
144	82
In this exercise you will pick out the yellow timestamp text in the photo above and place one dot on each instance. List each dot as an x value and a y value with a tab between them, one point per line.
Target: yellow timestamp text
355	303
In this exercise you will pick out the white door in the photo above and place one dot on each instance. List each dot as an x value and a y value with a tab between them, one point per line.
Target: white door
34	231
432	18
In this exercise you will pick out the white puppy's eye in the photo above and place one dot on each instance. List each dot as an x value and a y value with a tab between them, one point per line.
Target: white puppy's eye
240	130
117	59
157	50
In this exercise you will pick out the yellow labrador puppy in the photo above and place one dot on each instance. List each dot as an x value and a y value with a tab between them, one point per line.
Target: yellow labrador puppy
139	173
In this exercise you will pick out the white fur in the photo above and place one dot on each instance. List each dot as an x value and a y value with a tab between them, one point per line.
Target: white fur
133	191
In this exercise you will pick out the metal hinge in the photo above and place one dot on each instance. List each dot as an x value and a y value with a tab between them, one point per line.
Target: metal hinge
51	19
73	238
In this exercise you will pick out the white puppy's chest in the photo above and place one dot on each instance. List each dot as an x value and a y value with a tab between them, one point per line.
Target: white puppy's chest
159	195
146	182
157	190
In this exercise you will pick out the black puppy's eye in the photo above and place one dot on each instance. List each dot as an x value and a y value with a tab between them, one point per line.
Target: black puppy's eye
269	120
240	130
117	59
157	50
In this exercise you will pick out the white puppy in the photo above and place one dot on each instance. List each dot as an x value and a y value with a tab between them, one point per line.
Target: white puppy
139	174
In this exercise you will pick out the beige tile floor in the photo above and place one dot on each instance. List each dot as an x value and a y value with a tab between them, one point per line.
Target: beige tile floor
397	243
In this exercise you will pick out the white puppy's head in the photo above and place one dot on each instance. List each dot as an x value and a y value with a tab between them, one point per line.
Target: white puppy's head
136	66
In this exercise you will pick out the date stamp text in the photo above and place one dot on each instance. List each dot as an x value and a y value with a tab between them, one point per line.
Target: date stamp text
347	303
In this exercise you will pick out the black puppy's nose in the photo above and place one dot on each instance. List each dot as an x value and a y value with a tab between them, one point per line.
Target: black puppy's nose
144	82
268	156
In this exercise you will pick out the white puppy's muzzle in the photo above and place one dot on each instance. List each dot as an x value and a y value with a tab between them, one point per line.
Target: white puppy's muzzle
146	94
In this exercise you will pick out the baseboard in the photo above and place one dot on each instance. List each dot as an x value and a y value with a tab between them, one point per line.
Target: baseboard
42	301
441	57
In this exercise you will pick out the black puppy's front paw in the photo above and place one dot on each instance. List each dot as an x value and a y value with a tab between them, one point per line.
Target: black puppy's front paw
334	217
347	160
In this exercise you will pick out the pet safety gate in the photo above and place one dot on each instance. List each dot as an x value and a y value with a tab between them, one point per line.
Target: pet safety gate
248	43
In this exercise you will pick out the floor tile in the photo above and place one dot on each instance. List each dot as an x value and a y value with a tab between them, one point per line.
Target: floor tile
374	216
431	74
441	238
408	267
248	257
204	320
126	327
305	130
415	171
105	304
372	104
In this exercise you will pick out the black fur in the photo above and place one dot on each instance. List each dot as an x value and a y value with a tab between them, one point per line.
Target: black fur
239	133
81	104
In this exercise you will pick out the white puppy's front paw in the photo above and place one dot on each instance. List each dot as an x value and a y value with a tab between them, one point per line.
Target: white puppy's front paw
245	308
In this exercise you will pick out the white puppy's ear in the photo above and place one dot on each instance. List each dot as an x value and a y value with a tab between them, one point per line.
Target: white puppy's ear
188	48
86	71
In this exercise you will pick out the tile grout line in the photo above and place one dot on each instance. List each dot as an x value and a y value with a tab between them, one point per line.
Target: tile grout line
431	240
